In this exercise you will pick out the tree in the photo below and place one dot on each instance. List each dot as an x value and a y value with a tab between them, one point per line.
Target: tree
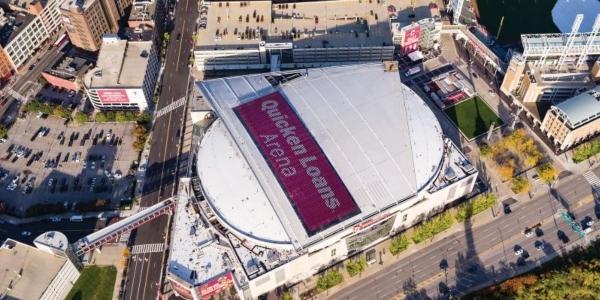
475	206
330	279
398	244
287	295
506	171
81	117
120	116
3	132
144	118
101	117
141	134
547	173
61	112
485	150
520	184
356	266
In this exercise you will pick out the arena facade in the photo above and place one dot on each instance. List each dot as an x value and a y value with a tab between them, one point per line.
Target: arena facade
302	169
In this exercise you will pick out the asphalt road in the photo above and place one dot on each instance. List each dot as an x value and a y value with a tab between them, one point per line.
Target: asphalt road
475	256
144	269
73	230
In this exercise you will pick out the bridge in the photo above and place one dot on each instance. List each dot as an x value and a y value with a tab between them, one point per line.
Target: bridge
111	232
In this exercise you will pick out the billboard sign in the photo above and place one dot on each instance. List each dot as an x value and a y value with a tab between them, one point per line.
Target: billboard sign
113	96
215	286
181	290
310	182
411	39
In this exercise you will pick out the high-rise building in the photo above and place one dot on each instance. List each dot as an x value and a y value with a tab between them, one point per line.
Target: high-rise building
21	34
87	21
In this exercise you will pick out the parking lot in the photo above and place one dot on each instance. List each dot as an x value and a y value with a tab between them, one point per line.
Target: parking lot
45	161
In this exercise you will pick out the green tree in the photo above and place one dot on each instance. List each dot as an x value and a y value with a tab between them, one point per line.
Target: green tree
520	184
429	229
485	150
144	117
61	112
120	116
398	244
101	117
585	151
356	266
329	279
287	295
472	207
547	173
81	117
3	132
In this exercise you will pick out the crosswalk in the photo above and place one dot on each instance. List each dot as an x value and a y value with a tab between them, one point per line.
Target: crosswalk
147	248
174	105
593	179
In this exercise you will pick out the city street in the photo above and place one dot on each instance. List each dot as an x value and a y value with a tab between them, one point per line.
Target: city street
145	269
479	255
73	230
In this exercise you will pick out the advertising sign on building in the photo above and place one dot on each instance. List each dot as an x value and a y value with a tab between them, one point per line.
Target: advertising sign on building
310	182
113	96
216	285
411	39
181	290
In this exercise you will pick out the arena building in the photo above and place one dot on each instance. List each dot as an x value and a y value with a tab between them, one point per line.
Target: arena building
301	170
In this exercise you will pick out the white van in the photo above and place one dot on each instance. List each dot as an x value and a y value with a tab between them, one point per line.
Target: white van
76	219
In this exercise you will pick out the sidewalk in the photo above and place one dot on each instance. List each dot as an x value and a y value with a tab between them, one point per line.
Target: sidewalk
386	259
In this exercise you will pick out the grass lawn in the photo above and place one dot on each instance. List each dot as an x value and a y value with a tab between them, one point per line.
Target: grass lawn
95	283
473	117
520	17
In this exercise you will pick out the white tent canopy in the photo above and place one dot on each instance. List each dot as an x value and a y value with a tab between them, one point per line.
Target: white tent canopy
415	55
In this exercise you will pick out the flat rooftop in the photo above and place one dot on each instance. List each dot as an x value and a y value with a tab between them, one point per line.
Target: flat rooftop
311	24
37	269
142	11
68	67
53	239
380	138
120	63
14	23
195	256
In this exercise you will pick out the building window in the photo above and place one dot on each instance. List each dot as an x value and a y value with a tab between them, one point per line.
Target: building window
404	218
333	252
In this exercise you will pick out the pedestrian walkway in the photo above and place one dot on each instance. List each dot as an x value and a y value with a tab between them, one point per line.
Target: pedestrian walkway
174	105
147	248
593	179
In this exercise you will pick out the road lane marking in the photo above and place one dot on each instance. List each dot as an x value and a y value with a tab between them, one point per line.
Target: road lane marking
147	248
165	151
180	44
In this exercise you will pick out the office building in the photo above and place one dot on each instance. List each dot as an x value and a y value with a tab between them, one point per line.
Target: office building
21	35
125	75
31	273
574	120
87	21
313	186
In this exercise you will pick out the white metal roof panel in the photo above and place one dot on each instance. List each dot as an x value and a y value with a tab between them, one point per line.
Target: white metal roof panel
364	120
